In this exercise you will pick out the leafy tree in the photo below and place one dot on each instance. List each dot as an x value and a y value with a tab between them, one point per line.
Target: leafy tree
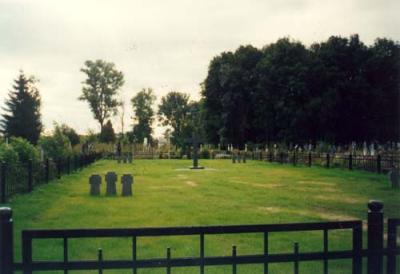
71	134
25	150
22	117
107	135
142	105
100	89
173	111
56	146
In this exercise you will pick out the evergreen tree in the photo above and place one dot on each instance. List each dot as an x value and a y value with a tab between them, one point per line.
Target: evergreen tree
22	117
107	135
142	105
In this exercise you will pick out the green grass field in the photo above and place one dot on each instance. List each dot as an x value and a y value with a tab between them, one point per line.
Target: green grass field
168	194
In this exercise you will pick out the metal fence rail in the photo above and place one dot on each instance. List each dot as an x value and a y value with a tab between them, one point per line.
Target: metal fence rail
375	252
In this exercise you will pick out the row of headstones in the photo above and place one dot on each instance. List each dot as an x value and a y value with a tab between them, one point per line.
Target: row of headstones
125	159
111	187
236	157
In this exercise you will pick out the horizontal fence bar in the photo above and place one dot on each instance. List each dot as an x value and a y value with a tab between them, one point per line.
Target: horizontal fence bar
191	262
176	231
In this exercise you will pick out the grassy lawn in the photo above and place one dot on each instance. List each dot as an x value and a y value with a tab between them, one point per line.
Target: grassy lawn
166	194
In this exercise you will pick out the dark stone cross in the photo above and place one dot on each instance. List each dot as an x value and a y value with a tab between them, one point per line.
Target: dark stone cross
195	143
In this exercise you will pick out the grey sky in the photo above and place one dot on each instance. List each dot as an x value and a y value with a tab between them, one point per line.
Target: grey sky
166	45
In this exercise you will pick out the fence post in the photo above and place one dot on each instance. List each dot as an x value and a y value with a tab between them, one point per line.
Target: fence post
6	241
391	245
350	161
328	160
59	168
379	164
3	182
30	176
375	237
309	159
47	170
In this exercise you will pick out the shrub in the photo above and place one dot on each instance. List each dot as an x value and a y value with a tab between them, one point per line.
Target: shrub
56	146
8	154
25	150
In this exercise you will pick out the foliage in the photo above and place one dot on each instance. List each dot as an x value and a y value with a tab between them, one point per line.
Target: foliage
56	146
337	91
25	150
71	134
8	154
144	115
22	117
100	89
107	135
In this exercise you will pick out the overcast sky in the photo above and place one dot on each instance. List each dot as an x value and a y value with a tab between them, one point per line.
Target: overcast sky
166	45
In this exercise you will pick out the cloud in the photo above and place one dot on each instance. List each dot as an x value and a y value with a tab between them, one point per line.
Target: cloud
166	45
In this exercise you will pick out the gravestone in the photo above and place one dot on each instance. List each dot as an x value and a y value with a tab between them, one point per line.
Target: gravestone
394	177
130	158
233	158
111	179
195	142
127	181
244	158
124	160
95	182
118	159
238	158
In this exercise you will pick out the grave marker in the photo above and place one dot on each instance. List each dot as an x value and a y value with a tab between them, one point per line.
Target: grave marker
95	182
127	181
111	179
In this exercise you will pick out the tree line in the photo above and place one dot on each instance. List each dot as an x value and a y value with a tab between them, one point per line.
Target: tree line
336	91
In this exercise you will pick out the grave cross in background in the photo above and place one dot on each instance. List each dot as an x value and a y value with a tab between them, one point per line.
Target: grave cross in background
195	144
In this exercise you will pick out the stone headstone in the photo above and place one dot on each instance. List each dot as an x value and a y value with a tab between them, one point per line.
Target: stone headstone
372	149
244	158
127	181
124	159
394	177
238	158
233	158
118	159
130	158
111	179
365	149
95	182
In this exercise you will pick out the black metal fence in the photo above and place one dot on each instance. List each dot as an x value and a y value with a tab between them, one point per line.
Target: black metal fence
378	163
24	177
375	251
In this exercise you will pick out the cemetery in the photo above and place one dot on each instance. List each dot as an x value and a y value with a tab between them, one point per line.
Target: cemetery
200	137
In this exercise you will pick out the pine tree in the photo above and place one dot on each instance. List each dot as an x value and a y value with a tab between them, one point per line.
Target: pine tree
22	117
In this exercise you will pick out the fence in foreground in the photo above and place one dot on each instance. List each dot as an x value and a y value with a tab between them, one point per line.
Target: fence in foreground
375	252
25	177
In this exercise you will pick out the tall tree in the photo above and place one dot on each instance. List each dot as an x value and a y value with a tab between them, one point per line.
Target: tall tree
100	89
22	117
142	105
174	111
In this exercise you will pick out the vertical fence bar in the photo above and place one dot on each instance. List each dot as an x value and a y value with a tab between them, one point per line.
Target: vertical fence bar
379	164
134	254
6	241
234	270
65	255
357	248
201	253
47	170
168	260
391	245
296	258
325	251
26	252
375	237
309	159
100	259
328	160
266	244
30	176
350	161
3	183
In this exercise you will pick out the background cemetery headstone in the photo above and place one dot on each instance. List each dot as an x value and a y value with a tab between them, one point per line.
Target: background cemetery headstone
127	181
111	179
394	177
95	182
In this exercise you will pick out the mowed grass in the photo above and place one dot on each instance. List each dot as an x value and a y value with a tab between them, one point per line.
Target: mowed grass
168	194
